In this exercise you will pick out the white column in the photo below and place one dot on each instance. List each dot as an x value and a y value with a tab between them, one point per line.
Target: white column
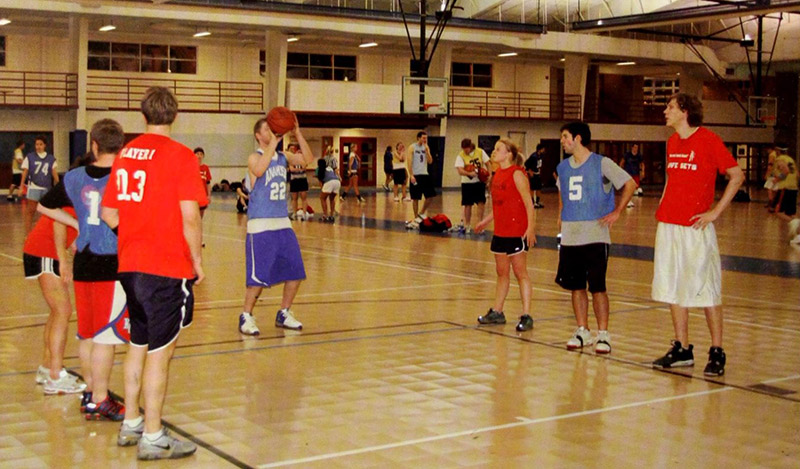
576	68
276	49
79	53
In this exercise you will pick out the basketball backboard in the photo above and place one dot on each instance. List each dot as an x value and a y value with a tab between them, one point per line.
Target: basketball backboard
425	95
762	110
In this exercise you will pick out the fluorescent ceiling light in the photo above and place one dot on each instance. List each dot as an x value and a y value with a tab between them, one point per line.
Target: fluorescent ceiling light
368	44
292	39
507	54
4	21
202	33
562	59
107	27
626	63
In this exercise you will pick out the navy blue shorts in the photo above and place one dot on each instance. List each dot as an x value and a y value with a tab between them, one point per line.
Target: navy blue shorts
158	307
273	257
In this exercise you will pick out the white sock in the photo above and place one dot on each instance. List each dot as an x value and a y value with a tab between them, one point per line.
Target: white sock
134	422
152	437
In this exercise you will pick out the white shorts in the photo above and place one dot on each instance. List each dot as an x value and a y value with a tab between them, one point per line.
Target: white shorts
332	186
686	267
770	184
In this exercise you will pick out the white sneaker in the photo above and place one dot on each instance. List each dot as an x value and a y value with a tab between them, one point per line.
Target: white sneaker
165	447
286	319
247	324
580	338
397	199
795	240
65	384
794	223
602	344
407	199
42	374
631	204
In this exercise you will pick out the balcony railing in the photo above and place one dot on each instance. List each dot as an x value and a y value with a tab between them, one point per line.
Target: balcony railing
514	104
125	94
622	111
38	89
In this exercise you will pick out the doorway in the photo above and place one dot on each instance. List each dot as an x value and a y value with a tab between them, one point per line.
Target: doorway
366	148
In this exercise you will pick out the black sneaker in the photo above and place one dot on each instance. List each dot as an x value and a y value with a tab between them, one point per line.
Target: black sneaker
492	317
109	409
361	199
676	356
86	402
525	323
716	362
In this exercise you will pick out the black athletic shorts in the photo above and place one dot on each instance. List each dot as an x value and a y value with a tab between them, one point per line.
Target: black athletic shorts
473	193
399	176
788	201
16	179
159	307
424	186
508	246
298	185
535	182
35	266
578	265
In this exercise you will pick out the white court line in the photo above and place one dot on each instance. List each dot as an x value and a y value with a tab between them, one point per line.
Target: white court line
11	257
25	316
522	422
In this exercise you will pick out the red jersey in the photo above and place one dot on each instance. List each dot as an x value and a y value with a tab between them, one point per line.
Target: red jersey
510	218
692	167
205	173
40	241
149	179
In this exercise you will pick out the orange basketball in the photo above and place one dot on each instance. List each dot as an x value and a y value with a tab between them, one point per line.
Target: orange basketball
483	174
469	168
280	120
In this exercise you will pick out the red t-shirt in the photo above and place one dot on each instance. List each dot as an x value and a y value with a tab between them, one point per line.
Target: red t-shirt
40	241
205	173
149	179
510	218
692	167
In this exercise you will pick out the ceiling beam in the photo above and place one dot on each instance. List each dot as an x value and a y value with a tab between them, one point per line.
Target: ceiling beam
685	15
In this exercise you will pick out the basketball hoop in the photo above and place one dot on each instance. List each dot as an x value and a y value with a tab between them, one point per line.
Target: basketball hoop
431	108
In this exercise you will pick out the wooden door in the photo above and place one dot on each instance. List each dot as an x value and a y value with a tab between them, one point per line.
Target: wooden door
366	148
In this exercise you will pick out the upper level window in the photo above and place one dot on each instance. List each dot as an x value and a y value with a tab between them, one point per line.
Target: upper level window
2	51
657	91
470	74
132	57
321	66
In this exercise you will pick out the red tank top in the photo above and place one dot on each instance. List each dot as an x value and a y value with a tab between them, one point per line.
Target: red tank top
510	219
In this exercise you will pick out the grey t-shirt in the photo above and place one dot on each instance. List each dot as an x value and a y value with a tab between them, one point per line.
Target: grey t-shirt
578	233
419	162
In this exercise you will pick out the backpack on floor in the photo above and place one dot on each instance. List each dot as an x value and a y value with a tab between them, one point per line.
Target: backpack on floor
436	224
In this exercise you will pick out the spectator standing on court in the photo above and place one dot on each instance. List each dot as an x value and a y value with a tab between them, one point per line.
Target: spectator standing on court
418	158
586	212
399	172
514	232
271	249
468	163
785	200
100	301
40	174
331	183
353	166
686	267
533	167
153	199
298	186
16	170
388	168
633	164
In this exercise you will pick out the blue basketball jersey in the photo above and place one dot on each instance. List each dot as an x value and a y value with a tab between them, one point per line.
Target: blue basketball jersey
586	194
86	193
268	195
40	170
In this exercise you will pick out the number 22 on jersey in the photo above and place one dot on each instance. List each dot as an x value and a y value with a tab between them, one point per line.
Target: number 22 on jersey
135	183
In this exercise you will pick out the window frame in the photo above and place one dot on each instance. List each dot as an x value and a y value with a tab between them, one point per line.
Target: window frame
3	45
323	67
168	62
468	79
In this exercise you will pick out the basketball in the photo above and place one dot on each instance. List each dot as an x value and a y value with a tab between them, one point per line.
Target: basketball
483	174
469	168
280	120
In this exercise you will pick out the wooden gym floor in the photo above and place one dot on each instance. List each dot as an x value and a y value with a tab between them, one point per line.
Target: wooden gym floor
391	370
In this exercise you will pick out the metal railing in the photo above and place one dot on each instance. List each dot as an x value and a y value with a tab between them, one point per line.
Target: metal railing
38	89
125	94
471	102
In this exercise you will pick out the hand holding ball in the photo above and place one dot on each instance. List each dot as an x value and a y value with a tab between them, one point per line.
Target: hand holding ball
280	120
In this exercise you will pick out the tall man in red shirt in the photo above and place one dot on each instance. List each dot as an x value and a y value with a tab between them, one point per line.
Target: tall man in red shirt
154	197
687	270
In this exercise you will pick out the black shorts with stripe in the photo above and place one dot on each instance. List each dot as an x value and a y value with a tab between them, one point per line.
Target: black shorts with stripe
159	307
298	185
35	266
509	246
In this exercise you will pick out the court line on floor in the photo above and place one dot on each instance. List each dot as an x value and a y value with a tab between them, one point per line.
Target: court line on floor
522	421
11	257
